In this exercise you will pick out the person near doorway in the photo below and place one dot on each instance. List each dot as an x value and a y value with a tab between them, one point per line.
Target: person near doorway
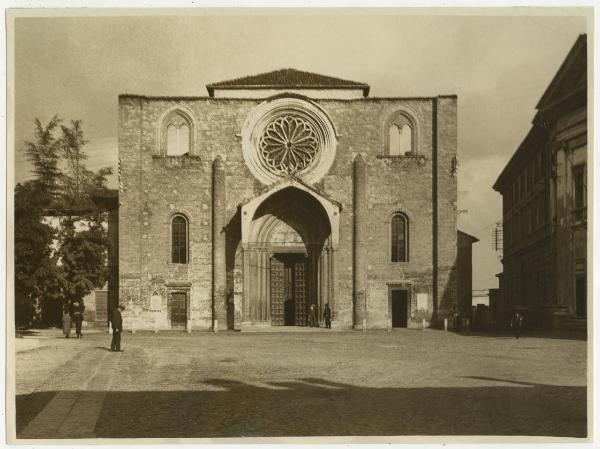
455	319
66	321
517	323
314	319
117	327
78	309
327	316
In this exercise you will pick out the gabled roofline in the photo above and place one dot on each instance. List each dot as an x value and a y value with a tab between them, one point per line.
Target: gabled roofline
537	123
285	180
472	237
579	45
364	87
287	78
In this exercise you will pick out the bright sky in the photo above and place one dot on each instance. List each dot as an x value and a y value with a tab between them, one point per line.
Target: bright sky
498	66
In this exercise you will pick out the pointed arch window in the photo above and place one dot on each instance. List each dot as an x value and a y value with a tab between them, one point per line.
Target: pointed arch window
399	236
400	134
177	134
179	239
400	140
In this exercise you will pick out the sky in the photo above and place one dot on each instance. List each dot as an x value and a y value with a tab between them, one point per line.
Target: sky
498	66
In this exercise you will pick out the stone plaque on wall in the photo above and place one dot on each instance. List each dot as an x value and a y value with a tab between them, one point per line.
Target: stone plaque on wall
422	300
155	302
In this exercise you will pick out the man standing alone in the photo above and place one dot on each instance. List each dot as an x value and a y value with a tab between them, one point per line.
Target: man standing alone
78	309
117	327
327	316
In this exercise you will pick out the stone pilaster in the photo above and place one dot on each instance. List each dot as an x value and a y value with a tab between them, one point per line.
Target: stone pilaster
360	241
219	205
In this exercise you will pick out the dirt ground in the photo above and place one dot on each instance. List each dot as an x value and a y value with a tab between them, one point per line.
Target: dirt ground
404	382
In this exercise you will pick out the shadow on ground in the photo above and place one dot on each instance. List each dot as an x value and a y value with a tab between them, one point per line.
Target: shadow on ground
317	407
560	335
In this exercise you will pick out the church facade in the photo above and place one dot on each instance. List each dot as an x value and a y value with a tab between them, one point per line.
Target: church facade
276	192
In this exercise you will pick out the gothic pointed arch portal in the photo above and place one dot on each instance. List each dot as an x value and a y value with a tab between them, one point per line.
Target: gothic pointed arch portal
289	236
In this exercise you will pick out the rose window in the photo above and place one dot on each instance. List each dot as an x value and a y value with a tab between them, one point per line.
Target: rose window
288	144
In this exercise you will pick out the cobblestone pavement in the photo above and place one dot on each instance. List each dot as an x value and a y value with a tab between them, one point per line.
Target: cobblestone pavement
301	384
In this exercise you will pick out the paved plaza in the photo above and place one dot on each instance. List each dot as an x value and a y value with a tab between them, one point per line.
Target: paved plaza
405	382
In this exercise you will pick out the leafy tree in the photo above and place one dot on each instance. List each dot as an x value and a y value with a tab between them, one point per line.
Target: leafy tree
55	267
82	255
44	154
37	278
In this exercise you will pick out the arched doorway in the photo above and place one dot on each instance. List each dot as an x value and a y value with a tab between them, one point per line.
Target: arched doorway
288	248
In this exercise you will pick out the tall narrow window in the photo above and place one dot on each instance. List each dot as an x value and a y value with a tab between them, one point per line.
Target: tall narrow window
399	238
579	193
395	141
179	240
579	187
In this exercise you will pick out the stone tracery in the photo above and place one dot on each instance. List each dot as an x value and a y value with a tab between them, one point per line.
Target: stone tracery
288	144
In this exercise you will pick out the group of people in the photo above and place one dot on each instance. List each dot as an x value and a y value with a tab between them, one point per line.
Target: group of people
313	317
73	313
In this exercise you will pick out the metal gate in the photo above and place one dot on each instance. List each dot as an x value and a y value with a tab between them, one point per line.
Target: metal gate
178	310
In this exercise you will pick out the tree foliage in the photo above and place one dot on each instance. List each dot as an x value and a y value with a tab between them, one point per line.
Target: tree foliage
54	267
45	155
37	277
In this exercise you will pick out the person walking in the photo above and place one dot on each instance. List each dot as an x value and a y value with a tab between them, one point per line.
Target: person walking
517	323
78	309
66	321
117	327
327	316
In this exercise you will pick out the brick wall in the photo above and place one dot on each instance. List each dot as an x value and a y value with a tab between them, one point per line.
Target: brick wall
154	188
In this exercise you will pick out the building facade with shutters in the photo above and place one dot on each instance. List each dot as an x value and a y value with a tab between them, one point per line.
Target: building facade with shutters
544	198
241	209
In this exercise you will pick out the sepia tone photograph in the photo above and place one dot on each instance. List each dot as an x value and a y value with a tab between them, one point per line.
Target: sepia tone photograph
246	224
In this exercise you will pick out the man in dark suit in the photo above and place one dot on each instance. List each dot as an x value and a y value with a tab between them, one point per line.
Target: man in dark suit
78	309
117	327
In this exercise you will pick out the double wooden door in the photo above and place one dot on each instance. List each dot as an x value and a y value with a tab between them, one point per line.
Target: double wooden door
289	302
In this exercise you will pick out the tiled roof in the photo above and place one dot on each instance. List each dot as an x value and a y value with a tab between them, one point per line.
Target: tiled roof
288	78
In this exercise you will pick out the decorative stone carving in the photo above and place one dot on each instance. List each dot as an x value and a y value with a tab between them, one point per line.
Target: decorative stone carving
289	144
288	136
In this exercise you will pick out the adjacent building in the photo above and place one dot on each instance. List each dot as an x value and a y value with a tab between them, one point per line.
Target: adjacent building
544	203
280	191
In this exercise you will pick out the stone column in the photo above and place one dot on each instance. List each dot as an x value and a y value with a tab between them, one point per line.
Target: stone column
246	286
219	210
323	281
331	281
313	275
360	241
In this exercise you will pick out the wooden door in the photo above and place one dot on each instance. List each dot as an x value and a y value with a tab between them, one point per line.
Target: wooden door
277	292
178	310
399	308
300	300
289	302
